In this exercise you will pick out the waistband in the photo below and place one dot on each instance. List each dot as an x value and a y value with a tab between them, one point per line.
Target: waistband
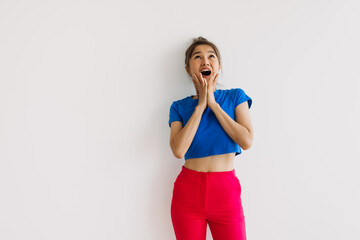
193	172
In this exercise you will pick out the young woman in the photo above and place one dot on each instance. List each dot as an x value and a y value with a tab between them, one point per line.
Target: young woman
208	130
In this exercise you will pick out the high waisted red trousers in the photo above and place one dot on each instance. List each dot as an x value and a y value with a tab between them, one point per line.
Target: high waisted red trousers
201	198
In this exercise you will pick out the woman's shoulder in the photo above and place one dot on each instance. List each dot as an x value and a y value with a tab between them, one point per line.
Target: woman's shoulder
231	91
184	102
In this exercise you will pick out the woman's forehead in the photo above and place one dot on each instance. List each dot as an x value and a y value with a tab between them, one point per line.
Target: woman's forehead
203	48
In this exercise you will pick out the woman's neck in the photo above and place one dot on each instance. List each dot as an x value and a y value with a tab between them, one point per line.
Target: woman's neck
196	96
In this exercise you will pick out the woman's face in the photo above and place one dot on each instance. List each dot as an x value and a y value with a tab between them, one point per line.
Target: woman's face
203	58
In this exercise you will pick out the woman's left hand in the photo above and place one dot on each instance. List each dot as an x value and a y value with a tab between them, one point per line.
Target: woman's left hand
211	88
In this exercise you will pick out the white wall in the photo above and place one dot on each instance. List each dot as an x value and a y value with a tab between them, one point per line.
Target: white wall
85	92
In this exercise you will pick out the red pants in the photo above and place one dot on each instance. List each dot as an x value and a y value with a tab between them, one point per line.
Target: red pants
201	198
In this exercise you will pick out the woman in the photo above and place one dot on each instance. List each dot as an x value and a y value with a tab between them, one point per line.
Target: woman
208	130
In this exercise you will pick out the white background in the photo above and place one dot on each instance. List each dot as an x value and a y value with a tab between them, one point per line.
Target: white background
85	92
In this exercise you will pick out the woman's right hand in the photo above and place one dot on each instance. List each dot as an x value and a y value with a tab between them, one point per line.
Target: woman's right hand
201	90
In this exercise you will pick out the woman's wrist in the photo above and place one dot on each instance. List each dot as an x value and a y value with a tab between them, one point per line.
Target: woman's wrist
201	107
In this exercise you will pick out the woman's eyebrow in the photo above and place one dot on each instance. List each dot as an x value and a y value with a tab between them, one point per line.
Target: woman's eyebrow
200	52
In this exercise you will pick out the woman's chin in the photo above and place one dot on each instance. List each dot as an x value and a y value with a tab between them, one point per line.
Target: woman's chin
206	77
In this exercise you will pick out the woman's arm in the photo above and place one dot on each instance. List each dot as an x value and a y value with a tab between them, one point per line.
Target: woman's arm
181	138
240	130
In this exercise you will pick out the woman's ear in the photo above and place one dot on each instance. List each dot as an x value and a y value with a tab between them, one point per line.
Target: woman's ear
187	70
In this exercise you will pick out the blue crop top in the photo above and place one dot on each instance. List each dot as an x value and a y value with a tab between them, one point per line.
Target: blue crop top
210	138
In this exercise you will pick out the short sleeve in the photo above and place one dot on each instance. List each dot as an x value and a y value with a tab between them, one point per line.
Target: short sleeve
240	97
174	114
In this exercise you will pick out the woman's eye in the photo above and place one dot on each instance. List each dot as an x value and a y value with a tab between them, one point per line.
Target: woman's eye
212	56
196	57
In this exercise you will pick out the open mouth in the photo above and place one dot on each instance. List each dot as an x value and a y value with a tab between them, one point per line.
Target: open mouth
206	73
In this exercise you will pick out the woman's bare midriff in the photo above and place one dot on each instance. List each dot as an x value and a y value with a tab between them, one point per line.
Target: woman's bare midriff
214	163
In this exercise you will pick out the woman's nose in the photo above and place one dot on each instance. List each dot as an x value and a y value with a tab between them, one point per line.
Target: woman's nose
205	62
